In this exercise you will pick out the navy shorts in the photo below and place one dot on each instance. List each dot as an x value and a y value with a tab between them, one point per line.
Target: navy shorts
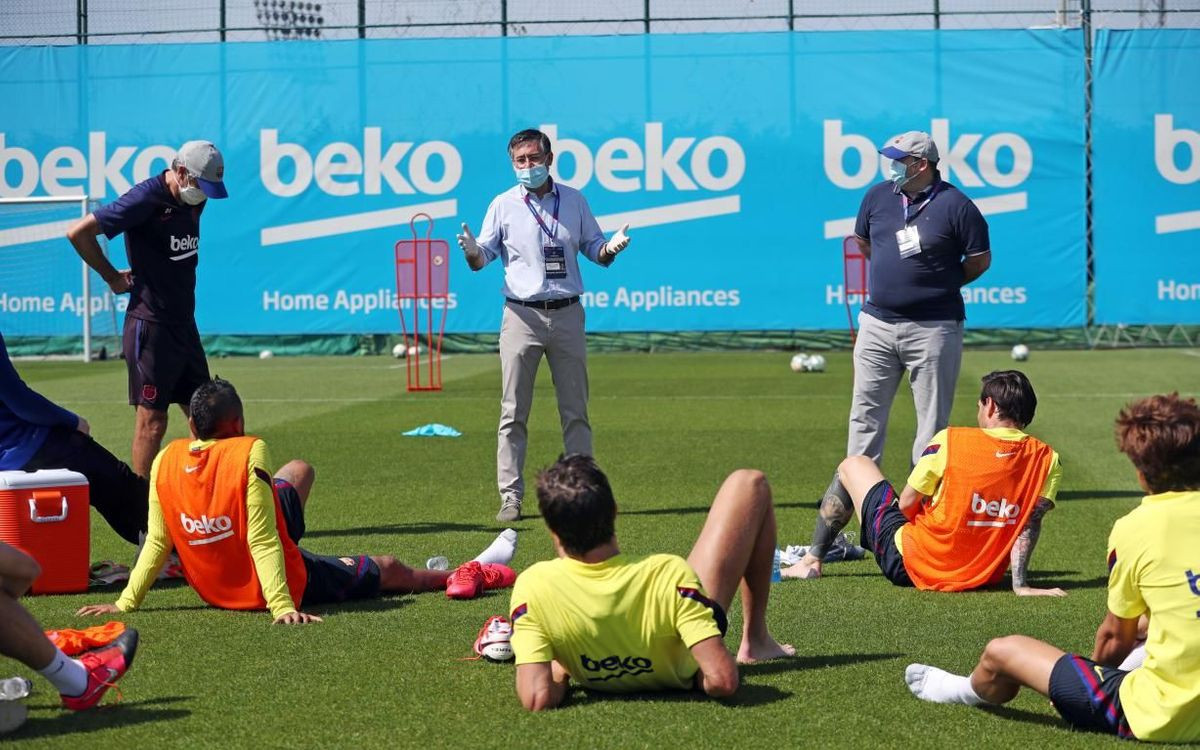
881	518
1087	695
330	579
166	362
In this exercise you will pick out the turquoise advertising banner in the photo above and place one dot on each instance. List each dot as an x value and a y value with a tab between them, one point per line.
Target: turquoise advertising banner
739	161
1146	147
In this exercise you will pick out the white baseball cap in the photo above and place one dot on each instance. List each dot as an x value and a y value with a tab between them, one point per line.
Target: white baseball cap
206	164
913	143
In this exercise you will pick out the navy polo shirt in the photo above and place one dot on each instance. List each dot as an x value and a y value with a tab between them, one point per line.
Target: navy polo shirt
162	241
924	286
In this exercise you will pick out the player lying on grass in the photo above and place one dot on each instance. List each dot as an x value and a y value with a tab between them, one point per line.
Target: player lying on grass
622	623
1154	570
81	682
36	433
973	503
236	529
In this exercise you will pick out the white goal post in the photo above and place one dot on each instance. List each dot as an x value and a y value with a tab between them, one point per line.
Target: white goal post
25	223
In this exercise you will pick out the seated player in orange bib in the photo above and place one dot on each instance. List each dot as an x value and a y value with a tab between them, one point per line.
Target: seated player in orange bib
972	506
236	528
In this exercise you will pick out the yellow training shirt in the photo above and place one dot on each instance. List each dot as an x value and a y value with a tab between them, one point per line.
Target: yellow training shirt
926	476
625	624
1154	568
261	536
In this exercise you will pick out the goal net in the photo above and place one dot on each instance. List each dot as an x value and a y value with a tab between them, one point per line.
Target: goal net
51	303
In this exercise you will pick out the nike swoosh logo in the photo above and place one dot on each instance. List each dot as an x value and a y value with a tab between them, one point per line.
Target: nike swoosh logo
1005	455
194	469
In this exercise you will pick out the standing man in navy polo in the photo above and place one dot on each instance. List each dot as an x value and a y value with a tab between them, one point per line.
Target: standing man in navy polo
925	240
538	228
160	218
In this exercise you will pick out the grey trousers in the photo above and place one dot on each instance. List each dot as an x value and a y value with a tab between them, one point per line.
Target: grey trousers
931	352
525	334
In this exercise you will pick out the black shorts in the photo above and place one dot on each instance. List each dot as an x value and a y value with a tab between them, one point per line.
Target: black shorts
330	579
113	489
881	518
1088	696
166	362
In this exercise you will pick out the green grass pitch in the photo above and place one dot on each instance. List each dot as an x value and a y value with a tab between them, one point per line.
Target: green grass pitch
668	428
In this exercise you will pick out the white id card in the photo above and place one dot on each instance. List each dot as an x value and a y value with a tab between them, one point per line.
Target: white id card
909	241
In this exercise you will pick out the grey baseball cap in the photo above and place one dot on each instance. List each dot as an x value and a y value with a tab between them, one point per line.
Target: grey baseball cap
206	164
913	143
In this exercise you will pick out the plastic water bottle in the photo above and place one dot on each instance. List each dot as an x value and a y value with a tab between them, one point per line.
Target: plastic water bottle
15	688
776	577
438	562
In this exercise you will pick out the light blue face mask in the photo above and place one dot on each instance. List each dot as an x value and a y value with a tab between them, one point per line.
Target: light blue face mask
533	177
898	174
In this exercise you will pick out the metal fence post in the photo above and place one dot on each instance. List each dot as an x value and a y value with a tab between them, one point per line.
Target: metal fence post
646	15
362	19
81	11
1086	24
503	17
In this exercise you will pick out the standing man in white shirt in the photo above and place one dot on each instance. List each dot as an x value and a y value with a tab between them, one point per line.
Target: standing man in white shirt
538	228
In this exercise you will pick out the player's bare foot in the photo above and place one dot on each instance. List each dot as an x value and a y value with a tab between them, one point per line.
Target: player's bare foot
764	650
808	567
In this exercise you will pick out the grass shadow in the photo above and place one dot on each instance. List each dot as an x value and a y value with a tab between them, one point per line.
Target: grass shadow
1025	717
746	695
1046	580
124	714
1096	494
419	527
815	661
384	603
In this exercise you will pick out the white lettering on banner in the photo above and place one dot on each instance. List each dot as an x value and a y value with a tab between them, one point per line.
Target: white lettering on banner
953	164
1167	142
1170	290
353	302
338	165
70	303
622	165
645	300
65	169
972	295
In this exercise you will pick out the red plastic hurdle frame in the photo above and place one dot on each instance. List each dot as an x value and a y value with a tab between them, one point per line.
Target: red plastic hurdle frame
854	275
422	290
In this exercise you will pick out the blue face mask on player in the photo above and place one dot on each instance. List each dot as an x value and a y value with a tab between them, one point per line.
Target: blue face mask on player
533	177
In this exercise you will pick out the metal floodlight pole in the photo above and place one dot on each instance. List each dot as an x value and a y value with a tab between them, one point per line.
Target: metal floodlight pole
362	19
646	17
503	17
937	14
221	18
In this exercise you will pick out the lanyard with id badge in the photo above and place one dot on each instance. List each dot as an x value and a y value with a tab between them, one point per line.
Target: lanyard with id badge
554	255
908	239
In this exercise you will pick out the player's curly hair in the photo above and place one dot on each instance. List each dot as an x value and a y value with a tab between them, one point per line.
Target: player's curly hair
213	405
1012	393
1161	436
577	503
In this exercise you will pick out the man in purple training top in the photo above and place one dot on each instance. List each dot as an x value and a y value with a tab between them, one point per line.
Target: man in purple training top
160	218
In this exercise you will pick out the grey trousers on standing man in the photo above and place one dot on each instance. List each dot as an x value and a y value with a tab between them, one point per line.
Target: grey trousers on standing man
930	351
525	334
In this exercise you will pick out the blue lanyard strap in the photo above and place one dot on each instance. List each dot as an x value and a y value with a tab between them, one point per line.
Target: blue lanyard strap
537	217
911	212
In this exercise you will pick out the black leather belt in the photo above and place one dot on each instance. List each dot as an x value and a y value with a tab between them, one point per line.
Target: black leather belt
546	304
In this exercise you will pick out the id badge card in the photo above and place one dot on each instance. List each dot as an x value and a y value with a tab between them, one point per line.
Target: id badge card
555	259
909	241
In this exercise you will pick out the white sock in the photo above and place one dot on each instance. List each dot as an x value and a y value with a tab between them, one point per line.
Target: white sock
501	550
939	686
66	674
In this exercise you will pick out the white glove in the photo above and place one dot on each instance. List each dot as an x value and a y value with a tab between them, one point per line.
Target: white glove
619	241
470	247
